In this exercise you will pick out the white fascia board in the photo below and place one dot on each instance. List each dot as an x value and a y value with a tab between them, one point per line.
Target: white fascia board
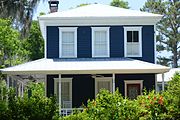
69	21
122	71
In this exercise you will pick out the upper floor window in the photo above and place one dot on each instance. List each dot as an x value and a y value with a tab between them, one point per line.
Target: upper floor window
100	41
67	42
133	41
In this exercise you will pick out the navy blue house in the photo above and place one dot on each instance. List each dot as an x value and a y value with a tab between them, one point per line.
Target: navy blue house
94	47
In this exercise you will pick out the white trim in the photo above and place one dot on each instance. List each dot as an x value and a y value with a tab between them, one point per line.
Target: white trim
106	29
59	92
67	29
163	82
134	28
156	82
63	80
81	21
45	42
155	59
113	82
133	82
108	79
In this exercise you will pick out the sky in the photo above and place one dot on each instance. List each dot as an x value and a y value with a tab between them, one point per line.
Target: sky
66	4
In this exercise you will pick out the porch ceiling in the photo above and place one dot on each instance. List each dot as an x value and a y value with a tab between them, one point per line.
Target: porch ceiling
85	66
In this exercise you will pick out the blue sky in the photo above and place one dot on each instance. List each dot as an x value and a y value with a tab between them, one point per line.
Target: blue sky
66	4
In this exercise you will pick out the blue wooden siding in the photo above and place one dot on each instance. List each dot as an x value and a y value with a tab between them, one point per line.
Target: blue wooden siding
50	85
84	42
116	41
84	48
83	86
148	81
147	44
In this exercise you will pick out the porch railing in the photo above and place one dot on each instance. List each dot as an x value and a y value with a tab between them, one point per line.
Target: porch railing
68	111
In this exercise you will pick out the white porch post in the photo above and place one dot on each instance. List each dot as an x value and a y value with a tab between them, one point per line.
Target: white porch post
156	83
59	93
162	81
113	80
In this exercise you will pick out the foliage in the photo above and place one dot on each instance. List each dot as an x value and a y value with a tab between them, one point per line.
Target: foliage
149	106
34	108
34	44
21	12
168	28
120	3
153	107
108	106
35	89
11	51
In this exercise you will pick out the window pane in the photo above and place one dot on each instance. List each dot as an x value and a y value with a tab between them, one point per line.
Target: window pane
100	49
135	36
104	85
100	37
68	50
100	43
133	49
129	36
67	37
65	94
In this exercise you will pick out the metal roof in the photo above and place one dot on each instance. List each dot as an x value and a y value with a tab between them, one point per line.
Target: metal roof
98	10
85	66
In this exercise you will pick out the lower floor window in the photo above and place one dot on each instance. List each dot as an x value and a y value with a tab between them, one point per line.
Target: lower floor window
103	83
133	88
66	91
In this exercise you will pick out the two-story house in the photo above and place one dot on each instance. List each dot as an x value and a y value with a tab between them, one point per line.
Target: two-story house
93	47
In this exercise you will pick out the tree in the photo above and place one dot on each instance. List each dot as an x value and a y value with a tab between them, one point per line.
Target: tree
11	50
120	3
21	11
168	28
34	44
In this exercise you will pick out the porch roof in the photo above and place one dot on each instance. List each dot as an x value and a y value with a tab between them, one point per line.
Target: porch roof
85	66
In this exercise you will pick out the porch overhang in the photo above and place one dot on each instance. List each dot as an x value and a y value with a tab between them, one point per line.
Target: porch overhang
85	66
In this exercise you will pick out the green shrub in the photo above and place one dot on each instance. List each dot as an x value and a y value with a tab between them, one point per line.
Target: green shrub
34	108
108	106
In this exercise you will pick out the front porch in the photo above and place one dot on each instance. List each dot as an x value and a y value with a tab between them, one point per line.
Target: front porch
74	81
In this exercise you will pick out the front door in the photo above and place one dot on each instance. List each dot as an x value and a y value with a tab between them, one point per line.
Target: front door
133	90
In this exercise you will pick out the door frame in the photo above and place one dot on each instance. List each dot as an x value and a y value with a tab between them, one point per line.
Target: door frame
126	82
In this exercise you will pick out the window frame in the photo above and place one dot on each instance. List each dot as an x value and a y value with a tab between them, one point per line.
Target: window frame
106	29
139	29
67	29
56	80
126	82
97	79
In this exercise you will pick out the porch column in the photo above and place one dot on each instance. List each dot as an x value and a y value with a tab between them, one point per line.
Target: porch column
113	81
59	94
162	81
156	83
